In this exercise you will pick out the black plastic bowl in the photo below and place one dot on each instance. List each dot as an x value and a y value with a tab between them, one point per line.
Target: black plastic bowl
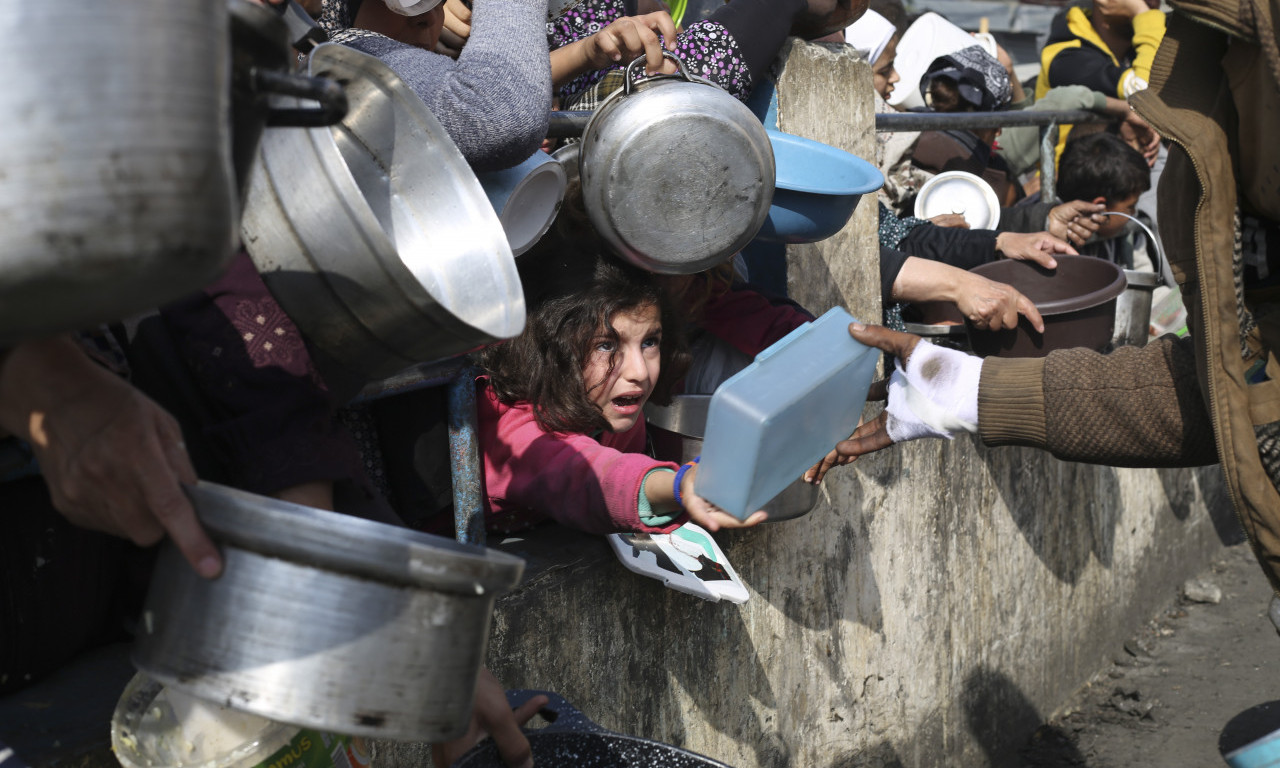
1077	301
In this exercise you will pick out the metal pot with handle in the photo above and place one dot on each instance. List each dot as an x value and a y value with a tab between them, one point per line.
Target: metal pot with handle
1133	308
116	190
375	236
324	620
677	175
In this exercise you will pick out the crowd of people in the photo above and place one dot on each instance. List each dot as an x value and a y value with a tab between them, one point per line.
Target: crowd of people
99	429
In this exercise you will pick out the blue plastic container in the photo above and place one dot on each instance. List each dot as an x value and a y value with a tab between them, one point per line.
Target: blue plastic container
816	191
1263	753
777	417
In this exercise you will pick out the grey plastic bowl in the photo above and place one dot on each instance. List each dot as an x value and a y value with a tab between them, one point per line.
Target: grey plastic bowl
1077	301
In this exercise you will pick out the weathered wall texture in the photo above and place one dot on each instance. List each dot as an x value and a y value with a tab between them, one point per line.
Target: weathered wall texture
941	601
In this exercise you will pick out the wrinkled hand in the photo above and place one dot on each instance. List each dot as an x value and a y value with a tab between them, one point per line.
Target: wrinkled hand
873	435
952	220
492	716
1032	246
112	458
1138	134
456	30
989	305
1124	8
1076	220
633	36
708	515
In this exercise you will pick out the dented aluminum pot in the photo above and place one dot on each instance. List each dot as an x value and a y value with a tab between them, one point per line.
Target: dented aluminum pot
116	190
323	620
375	236
677	175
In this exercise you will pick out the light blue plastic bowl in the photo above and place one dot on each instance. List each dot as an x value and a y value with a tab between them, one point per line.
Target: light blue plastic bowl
817	189
777	417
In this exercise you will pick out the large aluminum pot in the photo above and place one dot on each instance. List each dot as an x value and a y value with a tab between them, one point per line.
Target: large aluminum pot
375	236
323	620
116	187
677	175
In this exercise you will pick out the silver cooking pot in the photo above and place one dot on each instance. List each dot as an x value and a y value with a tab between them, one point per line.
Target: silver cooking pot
375	236
677	175
323	620
116	190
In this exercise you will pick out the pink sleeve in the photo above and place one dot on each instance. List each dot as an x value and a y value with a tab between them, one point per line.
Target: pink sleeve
571	478
749	320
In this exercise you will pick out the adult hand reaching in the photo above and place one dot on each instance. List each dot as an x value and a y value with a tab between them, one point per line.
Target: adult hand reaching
1138	134
1032	246
112	458
1076	220
993	306
456	30
620	42
933	392
492	716
954	220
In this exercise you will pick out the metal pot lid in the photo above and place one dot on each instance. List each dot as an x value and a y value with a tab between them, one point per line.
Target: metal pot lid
351	545
677	174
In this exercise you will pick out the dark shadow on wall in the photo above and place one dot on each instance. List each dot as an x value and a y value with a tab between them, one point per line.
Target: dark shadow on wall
832	579
1066	512
1179	488
1003	721
636	649
881	755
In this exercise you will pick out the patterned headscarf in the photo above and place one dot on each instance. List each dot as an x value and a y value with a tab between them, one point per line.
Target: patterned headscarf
981	80
337	15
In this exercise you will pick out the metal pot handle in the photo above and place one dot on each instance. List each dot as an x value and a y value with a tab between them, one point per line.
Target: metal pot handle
626	75
1158	258
329	93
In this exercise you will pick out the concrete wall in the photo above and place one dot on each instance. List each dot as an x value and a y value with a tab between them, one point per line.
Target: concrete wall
942	600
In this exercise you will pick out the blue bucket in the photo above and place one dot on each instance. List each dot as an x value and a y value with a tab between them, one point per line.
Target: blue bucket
817	189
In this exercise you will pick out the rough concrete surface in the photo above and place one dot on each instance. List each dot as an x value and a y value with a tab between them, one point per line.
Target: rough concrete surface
1196	680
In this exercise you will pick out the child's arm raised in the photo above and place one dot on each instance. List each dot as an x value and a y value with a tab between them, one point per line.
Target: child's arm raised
660	489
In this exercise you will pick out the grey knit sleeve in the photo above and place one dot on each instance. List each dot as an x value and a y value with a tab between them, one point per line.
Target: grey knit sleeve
495	100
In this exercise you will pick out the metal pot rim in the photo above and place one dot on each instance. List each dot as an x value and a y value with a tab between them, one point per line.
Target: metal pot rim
350	545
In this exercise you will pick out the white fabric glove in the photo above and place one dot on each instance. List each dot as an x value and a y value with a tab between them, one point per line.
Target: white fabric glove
935	395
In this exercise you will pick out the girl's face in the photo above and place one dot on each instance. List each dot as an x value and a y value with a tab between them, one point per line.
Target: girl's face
883	75
622	369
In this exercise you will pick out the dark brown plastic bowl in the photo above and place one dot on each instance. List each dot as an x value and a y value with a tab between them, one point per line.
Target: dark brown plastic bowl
1077	301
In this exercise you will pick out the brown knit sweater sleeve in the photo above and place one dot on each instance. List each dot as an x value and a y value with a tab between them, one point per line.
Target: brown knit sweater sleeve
1136	407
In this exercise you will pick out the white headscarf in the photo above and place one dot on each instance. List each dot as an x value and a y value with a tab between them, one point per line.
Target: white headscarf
871	34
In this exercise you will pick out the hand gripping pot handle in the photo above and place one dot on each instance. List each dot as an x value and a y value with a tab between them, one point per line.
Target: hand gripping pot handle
628	74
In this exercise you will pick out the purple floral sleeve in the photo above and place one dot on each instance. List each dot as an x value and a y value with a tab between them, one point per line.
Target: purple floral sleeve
707	48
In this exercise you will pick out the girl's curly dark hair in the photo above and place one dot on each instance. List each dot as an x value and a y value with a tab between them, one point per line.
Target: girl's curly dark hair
572	288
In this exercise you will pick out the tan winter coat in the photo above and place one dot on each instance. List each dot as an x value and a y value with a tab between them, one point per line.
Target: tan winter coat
1215	92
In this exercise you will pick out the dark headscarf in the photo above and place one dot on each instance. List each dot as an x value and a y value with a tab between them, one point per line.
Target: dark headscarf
981	80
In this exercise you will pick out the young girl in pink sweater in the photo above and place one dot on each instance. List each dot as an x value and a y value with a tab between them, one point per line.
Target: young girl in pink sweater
561	420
